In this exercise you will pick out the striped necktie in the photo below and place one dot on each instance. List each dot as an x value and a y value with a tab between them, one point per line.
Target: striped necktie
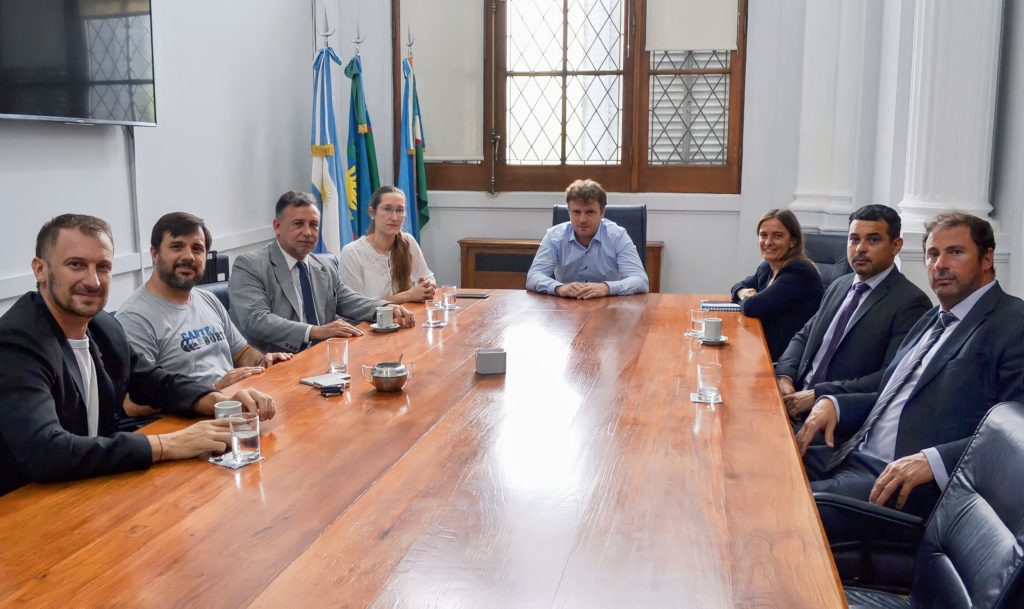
894	386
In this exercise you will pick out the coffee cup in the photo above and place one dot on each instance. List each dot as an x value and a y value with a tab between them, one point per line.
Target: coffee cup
712	328
385	317
223	410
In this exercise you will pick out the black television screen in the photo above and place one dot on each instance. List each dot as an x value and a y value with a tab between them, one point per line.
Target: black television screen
87	61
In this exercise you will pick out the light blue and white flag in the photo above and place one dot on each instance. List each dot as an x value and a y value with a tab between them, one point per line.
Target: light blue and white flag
335	219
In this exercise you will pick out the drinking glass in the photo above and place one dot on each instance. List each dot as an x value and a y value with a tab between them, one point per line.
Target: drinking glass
337	355
697	320
435	314
709	381
449	296
245	436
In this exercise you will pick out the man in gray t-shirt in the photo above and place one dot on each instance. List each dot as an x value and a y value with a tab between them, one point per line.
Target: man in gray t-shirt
186	330
196	339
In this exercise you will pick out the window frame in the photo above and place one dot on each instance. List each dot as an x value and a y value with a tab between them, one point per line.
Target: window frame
634	173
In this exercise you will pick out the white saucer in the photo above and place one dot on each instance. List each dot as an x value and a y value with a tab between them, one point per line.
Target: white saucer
714	343
377	328
438	324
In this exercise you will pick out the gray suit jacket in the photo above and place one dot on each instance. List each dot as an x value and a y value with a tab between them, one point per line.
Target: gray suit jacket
874	336
265	307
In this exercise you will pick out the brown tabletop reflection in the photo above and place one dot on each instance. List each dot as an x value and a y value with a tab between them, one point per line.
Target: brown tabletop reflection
583	477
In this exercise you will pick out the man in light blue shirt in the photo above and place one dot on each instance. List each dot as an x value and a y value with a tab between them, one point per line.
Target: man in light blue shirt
589	256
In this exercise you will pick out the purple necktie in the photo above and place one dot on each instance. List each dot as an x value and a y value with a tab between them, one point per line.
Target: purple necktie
859	289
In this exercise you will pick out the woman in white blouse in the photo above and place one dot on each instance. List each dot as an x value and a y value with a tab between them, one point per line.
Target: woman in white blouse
387	263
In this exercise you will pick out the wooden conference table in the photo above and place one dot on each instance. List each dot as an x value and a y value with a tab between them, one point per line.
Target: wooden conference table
584	477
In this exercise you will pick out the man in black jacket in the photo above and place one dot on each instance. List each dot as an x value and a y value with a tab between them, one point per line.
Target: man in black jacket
65	367
863	318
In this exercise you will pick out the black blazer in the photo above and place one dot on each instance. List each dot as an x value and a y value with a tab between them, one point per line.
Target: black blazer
874	336
784	306
43	427
980	365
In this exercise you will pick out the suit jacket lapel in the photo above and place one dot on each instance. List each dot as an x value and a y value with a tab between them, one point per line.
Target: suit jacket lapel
319	281
284	277
76	373
104	384
828	311
963	330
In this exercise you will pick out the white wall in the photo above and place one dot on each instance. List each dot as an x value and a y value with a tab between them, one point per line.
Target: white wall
233	84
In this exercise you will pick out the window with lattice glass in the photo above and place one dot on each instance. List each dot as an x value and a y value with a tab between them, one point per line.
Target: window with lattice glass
571	92
564	73
120	67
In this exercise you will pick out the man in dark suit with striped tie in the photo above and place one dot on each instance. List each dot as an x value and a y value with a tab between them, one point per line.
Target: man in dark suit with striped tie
959	360
863	319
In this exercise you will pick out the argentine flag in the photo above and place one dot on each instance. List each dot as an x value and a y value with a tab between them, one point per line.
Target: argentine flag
335	220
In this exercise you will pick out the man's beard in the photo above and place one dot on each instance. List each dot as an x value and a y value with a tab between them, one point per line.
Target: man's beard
171	278
71	305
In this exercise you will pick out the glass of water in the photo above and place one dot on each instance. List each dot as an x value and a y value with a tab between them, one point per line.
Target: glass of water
697	321
337	355
435	313
245	436
449	295
709	382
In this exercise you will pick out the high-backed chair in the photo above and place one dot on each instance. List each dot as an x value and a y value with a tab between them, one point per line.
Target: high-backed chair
633	218
828	252
220	290
970	555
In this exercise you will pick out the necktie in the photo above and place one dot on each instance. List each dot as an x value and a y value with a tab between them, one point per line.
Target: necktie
308	306
893	387
859	289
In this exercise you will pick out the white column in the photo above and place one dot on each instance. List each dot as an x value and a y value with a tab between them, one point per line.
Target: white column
836	109
952	108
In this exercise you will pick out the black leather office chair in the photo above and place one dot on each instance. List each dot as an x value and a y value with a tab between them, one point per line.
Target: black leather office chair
633	218
970	554
220	290
828	252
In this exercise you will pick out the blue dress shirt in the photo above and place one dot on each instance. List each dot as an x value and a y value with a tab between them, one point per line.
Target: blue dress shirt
610	258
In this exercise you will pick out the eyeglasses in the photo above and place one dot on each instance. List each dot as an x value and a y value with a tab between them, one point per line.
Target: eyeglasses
388	210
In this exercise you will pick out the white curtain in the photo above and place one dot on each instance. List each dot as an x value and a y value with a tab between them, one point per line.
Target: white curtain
448	58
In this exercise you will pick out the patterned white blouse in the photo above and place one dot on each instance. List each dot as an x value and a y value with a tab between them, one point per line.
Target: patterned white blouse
369	273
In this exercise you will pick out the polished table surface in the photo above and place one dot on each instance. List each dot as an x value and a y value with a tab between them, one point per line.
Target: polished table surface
584	477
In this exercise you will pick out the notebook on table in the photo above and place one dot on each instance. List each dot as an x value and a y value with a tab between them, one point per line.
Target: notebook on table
719	305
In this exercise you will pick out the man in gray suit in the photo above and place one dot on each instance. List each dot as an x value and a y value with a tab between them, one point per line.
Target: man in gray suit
283	299
863	318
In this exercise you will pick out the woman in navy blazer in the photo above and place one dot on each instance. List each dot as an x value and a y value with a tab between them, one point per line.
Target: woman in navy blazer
785	290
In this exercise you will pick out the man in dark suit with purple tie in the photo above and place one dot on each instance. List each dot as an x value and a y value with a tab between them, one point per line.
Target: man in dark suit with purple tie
863	318
959	360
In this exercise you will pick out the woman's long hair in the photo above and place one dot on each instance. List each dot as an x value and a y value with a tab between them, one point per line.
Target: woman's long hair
401	255
788	219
